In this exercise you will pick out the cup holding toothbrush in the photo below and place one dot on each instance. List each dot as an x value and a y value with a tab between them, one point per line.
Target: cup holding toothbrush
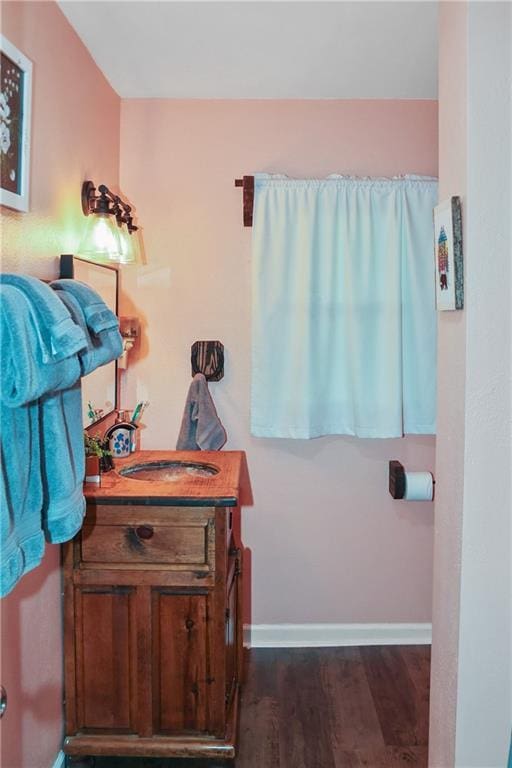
121	437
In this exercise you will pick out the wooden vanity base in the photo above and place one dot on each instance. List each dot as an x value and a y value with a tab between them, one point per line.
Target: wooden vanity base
153	623
134	746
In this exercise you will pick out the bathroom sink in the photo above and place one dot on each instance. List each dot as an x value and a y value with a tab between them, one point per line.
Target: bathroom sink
168	471
174	478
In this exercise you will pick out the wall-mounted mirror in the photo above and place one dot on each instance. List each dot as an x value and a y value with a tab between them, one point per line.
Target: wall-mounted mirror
99	388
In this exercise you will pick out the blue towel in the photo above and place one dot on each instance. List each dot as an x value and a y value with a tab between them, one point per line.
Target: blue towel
21	491
64	467
21	494
62	463
98	316
41	437
59	336
101	348
42	452
27	373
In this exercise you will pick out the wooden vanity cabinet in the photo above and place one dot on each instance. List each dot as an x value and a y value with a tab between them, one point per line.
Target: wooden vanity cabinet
153	632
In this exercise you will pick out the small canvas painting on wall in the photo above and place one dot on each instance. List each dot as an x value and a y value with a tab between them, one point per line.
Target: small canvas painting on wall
448	255
15	98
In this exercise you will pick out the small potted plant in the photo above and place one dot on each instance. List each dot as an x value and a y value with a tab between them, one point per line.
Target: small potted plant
97	456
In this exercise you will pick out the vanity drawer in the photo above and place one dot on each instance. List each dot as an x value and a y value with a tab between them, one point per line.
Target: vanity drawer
145	543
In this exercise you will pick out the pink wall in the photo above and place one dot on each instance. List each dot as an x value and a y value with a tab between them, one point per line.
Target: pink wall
72	103
328	542
451	399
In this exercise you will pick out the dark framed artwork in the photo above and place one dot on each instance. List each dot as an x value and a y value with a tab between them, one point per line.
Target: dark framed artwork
15	109
449	265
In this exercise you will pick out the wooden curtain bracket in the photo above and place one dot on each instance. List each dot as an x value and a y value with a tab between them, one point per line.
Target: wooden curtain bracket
247	182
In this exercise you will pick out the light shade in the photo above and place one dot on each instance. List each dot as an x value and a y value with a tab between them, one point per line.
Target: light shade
101	240
129	246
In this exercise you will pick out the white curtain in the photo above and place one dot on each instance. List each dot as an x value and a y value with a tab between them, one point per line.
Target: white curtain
343	310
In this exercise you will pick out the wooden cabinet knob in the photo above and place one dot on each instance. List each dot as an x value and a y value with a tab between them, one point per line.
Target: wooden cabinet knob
144	531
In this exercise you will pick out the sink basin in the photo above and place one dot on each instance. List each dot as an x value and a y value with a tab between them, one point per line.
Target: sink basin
169	471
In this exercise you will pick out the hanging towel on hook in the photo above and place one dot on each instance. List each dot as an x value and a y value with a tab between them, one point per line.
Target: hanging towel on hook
201	428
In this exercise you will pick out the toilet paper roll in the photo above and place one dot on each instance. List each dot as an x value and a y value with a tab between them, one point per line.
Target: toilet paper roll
419	486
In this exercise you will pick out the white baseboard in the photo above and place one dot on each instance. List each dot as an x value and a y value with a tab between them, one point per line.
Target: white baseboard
60	760
325	635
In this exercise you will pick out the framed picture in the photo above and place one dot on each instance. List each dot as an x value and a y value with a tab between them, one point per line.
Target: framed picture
15	105
448	255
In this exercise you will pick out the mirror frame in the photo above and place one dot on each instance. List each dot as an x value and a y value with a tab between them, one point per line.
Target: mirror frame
67	270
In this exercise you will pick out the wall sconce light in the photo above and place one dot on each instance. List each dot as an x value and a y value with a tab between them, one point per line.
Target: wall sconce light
110	234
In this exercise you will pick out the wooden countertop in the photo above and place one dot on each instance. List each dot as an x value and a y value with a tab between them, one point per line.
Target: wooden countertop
228	488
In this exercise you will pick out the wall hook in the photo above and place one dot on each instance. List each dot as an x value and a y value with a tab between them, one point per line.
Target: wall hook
207	357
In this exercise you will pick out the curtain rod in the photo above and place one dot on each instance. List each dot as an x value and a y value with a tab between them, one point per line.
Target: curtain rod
247	183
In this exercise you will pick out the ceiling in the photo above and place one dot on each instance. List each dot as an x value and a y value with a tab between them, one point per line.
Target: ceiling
281	50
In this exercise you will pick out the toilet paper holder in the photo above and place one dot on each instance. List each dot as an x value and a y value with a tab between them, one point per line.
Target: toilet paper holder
397	479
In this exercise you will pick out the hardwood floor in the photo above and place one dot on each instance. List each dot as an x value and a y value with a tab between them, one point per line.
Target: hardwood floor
327	708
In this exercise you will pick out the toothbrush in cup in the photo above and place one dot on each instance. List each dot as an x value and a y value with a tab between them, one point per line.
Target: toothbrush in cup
144	405
139	410
136	412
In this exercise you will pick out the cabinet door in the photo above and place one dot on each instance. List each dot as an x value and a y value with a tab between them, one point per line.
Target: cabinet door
180	661
105	658
230	639
233	638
